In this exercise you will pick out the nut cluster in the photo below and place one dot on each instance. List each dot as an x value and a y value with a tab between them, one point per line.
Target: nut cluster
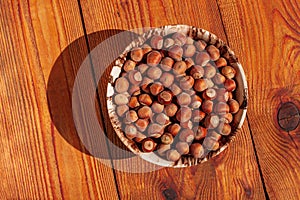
175	96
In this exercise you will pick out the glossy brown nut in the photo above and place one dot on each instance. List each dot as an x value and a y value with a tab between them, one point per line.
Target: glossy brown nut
121	85
202	58
154	73
200	45
170	110
162	149
196	102
227	118
182	148
176	90
167	138
212	121
222	95
121	99
135	77
234	106
221	62
179	38
174	129
133	102
130	131
187	82
165	97
224	129
145	84
145	112
166	63
183	99
189	62
228	72
145	99
209	71
155	130
221	108
200	132
157	107
142	124
210	144
197	72
156	88
186	135
167	79
179	67
131	116
162	119
213	52
230	85
156	42
121	110
134	90
207	106
184	114
187	124
209	94
148	145
175	52
153	58
129	65
168	42
219	79
146	48
188	50
139	137
172	155
142	68
200	85
197	150
136	54
197	115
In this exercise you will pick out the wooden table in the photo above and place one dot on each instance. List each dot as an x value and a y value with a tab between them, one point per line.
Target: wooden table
43	44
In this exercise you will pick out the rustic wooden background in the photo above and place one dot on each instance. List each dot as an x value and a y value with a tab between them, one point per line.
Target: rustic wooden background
42	46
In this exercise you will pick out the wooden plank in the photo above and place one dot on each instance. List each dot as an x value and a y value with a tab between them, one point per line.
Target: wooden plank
266	36
233	174
41	159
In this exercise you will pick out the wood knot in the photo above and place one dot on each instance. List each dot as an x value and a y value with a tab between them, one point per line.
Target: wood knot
288	116
170	194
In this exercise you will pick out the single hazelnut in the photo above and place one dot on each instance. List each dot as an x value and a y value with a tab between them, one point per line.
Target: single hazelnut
228	72
145	112
184	114
145	84
214	135
134	90
162	119
183	99
146	48
162	149
210	144
211	121
154	73
148	145
156	88
179	38
156	42
157	107
227	118
142	68
168	42
179	67
165	97
121	99
202	58
153	58
174	129
133	102
167	79
189	62
200	132
209	94
230	85
131	116
129	65
189	40
183	148
171	110
188	50
234	106
172	155
136	54
219	79
221	108
213	52
196	102
200	45
224	129
200	85
186	135
139	137
197	150
207	106
167	138
166	63
197	115
175	52
121	85
209	83
155	130
135	77
142	124
221	62
176	90
145	99
222	95
186	82
187	124
209	71
130	131
197	72
121	110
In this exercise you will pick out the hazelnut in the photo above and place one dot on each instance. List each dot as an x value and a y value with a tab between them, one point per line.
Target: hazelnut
133	102
162	119
134	90
222	95
200	85
234	106
197	150
175	52
188	50
131	116
211	121
142	68
157	107
202	58
139	137
129	65
136	54
196	102
153	58
219	79
221	62
179	38
145	99
145	112
174	129
210	144
224	129
171	110
142	124
156	88
227	118
189	62
179	67
167	138
209	94
156	42
167	79
176	90
166	63
209	71
209	83
228	72
121	85
230	85
146	48
207	106
135	77
172	155
148	145
197	115
165	97
230	95
183	99
187	124
121	99
186	135
145	84
200	45
214	135
168	42
155	130
186	82
221	108
184	114
130	131
121	110
197	72
154	73
200	132
183	148
189	40
213	52
163	148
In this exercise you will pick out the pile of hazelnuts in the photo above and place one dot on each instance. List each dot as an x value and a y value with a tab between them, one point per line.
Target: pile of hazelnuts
175	96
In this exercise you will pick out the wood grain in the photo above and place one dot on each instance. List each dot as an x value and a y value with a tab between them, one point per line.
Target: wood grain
233	174
37	162
267	39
